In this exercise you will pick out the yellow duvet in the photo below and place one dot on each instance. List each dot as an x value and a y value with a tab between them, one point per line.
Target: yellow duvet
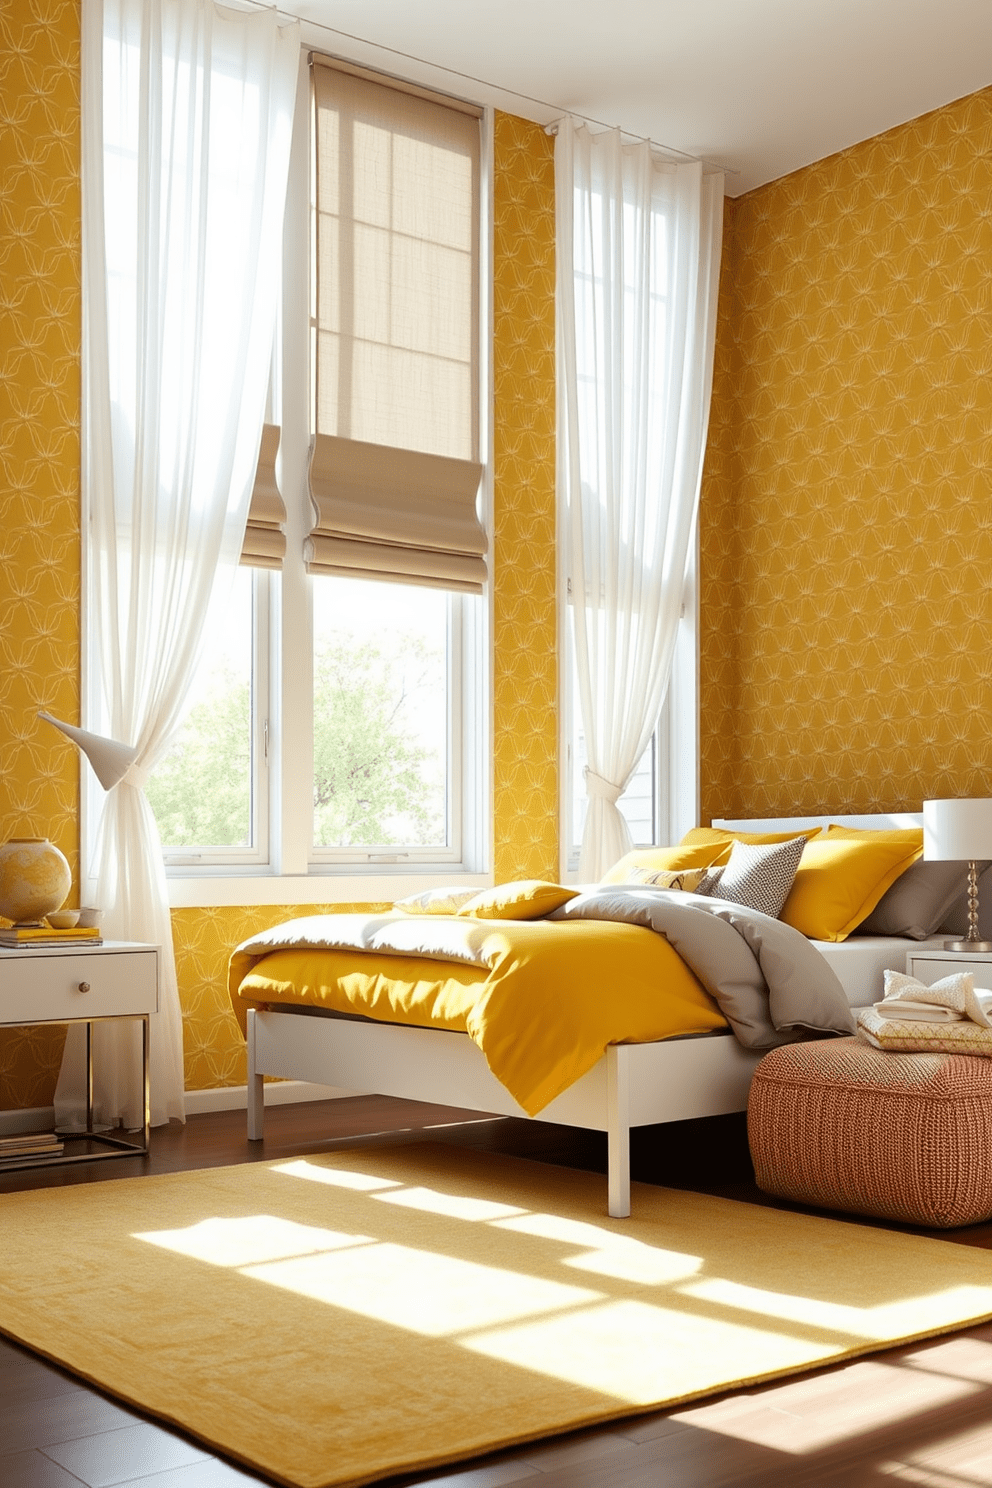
542	999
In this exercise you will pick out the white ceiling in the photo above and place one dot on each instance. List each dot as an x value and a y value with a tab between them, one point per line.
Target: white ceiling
760	87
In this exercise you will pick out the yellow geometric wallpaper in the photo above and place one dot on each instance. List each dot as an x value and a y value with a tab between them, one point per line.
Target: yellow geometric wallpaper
213	1049
39	456
846	651
40	540
525	636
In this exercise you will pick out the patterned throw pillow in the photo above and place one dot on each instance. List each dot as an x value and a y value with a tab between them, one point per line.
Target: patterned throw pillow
685	879
710	881
760	877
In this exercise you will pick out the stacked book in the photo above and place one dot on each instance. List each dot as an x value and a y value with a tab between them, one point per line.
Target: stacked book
44	935
24	1147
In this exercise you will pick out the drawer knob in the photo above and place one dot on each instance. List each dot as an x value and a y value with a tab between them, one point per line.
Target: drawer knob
84	986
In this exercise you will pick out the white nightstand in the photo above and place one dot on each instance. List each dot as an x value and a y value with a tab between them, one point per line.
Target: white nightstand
930	965
82	984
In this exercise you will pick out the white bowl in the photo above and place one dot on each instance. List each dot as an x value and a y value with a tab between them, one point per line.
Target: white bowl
63	919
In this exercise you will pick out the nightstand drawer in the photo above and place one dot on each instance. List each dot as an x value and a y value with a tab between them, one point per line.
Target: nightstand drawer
930	966
39	988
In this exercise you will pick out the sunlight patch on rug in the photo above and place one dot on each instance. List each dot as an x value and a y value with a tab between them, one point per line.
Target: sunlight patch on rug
238	1243
437	1296
607	1253
836	1317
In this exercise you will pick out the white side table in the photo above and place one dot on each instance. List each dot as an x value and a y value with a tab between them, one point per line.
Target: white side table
930	965
82	984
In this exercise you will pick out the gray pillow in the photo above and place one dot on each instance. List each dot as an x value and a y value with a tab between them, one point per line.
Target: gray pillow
922	901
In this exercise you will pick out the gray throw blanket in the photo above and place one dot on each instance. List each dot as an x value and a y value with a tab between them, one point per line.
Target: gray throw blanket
771	984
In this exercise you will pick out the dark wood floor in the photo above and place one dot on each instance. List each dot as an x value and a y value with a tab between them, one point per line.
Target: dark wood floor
919	1415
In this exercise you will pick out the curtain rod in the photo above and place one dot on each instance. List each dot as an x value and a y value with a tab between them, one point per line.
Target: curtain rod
468	77
644	139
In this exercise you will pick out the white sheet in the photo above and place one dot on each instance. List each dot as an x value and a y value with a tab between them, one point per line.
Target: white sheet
859	963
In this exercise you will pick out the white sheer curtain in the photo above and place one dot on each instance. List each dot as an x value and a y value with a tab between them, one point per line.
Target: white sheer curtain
187	117
638	257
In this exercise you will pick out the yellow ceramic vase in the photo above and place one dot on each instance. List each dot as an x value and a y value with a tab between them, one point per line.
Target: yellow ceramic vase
34	879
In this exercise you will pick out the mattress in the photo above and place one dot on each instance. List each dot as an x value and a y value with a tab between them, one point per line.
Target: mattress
859	962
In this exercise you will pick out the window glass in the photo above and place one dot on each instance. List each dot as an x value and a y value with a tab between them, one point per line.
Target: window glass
380	715
201	792
397	253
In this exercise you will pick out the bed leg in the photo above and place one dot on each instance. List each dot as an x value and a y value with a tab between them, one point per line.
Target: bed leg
256	1088
618	1130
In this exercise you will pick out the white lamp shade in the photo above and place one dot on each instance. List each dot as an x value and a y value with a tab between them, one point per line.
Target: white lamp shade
957	831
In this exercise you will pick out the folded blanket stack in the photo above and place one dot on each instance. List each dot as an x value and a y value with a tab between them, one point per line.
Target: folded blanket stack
952	1015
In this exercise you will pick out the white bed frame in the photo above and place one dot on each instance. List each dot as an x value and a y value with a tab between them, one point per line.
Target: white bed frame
632	1085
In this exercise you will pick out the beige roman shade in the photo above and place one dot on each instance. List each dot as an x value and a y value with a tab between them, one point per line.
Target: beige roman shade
394	469
264	545
395	514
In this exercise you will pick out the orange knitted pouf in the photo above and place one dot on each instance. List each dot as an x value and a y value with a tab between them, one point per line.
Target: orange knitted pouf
840	1125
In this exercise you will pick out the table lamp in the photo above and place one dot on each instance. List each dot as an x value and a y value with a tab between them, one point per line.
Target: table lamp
960	831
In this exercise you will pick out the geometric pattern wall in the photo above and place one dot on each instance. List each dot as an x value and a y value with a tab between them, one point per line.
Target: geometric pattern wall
39	458
525	617
213	1048
846	518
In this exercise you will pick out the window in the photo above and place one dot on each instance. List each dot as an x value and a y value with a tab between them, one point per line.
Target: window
360	748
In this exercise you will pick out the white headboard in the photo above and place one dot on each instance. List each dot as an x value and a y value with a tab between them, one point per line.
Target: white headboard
880	822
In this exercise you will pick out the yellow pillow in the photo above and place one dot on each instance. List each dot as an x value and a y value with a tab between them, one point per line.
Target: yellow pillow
723	839
842	876
526	900
873	834
663	859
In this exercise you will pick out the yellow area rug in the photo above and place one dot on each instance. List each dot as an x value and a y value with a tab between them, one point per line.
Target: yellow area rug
335	1320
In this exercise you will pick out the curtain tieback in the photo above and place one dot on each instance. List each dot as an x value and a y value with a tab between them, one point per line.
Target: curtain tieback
598	785
136	775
